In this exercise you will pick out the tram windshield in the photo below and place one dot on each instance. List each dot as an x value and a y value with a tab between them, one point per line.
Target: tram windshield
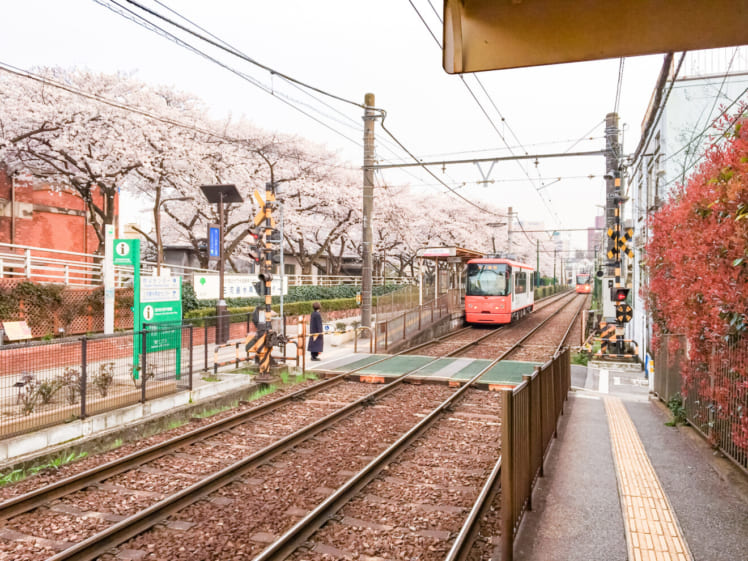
487	279
583	279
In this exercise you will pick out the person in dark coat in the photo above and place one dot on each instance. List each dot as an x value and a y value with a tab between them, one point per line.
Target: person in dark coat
316	339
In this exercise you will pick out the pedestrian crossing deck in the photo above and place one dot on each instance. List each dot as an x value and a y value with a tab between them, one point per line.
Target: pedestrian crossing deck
444	369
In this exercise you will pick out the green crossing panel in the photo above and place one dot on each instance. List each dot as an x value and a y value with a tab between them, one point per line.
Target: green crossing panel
359	363
471	369
397	365
508	372
439	365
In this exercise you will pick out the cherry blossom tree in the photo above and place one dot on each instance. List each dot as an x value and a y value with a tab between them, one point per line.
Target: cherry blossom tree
67	140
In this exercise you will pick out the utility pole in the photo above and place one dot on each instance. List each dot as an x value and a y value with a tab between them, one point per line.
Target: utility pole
537	263
368	208
509	232
612	191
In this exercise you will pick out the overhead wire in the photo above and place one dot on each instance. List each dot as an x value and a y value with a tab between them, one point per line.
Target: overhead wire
721	86
284	98
293	82
236	53
619	85
483	109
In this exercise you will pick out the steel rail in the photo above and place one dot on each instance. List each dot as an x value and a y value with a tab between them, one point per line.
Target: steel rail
101	542
571	325
116	534
304	528
465	539
28	501
438	340
550	317
33	499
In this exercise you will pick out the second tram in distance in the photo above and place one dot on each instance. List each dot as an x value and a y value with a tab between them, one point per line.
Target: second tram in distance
498	290
584	283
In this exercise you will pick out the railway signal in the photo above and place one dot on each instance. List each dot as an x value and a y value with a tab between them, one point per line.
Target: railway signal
619	294
624	313
267	247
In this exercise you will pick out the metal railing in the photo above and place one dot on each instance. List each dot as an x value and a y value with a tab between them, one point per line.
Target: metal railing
73	269
714	399
529	417
408	323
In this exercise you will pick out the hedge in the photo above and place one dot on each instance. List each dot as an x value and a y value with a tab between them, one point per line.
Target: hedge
239	314
302	293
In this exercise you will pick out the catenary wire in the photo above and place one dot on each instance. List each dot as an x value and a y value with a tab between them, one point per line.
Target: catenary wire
485	113
140	20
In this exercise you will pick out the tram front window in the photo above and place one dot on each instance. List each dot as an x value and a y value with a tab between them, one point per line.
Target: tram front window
487	279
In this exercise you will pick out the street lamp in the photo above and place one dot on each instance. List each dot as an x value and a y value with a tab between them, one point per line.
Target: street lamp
157	219
220	194
493	238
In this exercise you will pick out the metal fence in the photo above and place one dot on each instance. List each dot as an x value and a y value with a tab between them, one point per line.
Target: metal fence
406	324
530	413
47	383
714	399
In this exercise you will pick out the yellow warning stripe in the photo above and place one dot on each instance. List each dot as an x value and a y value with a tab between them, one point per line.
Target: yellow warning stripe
652	529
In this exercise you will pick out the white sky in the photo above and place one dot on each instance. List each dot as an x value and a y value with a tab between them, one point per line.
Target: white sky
350	47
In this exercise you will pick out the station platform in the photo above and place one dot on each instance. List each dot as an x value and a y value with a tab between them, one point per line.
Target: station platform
620	484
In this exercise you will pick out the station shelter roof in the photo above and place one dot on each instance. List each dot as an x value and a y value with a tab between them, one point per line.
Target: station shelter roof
450	254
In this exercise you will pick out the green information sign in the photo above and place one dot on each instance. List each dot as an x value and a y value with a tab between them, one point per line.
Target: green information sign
126	253
157	305
160	311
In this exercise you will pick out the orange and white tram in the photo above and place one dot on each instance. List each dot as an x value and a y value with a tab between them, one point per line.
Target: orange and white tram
584	283
498	290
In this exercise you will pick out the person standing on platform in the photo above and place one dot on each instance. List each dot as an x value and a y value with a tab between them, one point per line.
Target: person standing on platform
316	340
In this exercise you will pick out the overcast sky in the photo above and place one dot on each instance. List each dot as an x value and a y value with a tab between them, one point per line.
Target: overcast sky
349	48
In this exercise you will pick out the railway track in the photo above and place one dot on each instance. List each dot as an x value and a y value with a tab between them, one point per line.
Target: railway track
251	466
436	482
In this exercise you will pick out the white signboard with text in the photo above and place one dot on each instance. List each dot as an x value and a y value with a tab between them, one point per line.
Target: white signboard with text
159	289
234	286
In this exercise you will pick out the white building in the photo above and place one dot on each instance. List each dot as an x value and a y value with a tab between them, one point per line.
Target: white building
709	85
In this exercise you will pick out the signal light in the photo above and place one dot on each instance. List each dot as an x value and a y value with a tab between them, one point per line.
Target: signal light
619	294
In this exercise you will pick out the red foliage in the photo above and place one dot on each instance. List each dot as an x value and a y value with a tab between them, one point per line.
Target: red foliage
697	259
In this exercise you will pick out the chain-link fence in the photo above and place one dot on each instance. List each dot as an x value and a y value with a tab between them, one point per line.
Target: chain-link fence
713	398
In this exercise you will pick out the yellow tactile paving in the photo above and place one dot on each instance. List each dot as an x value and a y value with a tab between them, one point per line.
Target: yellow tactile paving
652	529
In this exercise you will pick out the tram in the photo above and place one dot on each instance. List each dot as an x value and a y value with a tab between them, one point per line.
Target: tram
584	283
498	290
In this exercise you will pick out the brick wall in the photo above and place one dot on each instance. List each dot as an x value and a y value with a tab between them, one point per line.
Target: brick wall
46	217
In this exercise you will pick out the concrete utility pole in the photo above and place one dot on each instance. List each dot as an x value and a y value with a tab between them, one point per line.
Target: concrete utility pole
612	162
509	232
369	117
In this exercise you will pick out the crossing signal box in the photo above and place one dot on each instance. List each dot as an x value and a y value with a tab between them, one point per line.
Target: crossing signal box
624	313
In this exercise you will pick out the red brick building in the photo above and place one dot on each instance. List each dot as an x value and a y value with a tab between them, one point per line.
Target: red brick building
34	213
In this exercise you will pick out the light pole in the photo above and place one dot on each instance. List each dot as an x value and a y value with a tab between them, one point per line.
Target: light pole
495	225
220	195
157	219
